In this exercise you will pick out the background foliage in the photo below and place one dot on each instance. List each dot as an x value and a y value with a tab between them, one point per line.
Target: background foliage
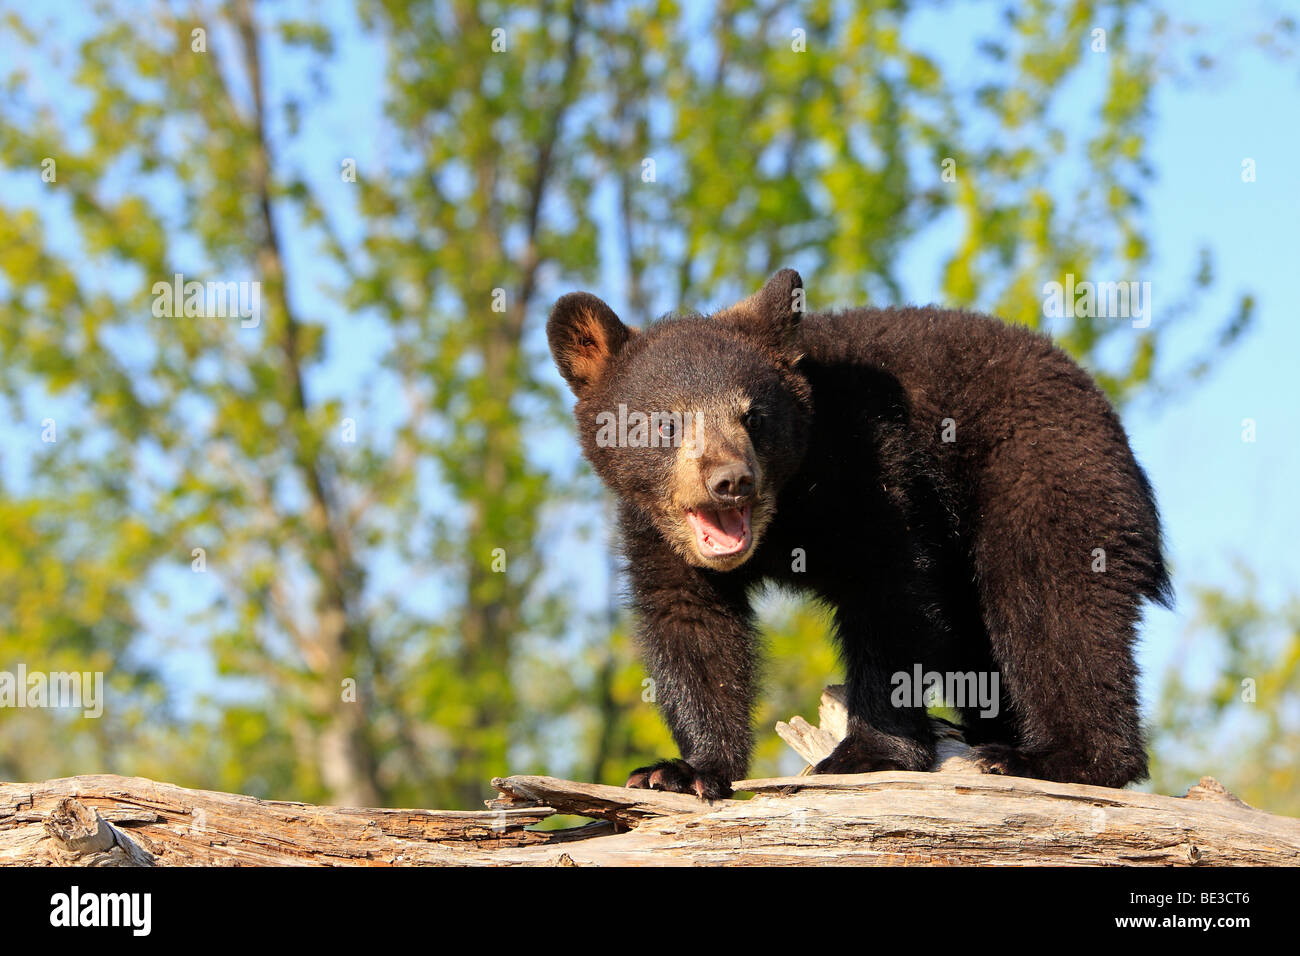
410	302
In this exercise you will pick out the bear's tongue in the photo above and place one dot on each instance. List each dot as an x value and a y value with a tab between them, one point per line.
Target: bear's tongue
720	530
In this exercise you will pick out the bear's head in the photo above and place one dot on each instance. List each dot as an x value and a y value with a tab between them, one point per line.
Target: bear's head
697	422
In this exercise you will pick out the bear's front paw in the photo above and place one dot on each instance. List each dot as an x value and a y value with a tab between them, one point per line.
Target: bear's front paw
855	754
677	776
855	763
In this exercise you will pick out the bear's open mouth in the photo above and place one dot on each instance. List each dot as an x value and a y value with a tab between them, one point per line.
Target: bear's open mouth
720	531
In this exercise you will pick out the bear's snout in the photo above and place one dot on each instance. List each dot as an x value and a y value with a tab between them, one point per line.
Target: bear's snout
731	485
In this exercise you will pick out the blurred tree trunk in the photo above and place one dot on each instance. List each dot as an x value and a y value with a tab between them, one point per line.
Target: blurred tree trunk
347	760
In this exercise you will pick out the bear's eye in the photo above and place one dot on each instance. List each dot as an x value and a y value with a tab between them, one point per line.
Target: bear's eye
667	428
752	420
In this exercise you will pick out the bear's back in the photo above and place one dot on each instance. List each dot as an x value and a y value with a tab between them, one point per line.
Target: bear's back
1011	423
991	379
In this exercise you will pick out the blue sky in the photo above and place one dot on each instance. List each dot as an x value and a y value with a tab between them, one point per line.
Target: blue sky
1224	499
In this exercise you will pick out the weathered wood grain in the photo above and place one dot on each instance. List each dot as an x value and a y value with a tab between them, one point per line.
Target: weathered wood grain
105	820
865	819
619	804
943	819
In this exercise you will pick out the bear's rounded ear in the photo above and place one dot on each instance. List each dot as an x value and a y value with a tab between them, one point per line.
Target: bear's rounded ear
585	335
772	314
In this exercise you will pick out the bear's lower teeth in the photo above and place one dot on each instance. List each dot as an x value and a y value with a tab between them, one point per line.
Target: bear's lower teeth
720	531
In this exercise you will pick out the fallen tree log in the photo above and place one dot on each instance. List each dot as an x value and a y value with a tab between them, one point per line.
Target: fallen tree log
865	819
952	815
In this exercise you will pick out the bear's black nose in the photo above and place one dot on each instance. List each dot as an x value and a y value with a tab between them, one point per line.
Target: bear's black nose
731	484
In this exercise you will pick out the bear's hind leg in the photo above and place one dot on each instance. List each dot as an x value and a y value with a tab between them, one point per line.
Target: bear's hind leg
1062	638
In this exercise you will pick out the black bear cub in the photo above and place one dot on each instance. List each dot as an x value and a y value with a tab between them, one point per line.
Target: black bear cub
957	489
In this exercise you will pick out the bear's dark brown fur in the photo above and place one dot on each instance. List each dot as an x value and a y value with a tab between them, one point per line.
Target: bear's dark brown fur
957	489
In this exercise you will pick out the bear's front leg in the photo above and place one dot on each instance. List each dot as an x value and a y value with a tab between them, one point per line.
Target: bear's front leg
696	631
884	732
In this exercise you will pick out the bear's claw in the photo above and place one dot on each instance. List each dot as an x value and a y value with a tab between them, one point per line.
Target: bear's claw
678	776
